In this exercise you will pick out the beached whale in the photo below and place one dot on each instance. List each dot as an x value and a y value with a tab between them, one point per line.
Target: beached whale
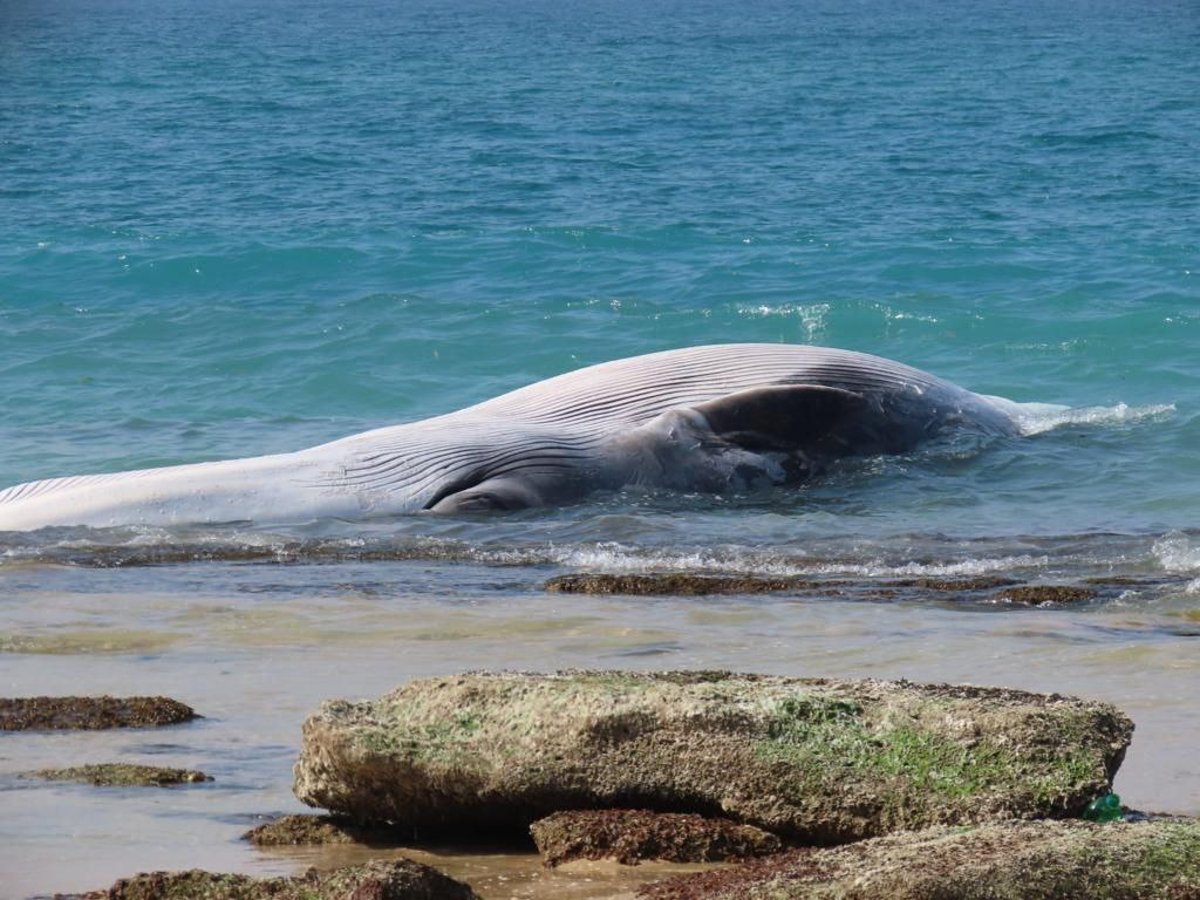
718	418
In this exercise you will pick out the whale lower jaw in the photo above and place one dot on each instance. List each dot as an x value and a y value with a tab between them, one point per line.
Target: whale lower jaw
262	489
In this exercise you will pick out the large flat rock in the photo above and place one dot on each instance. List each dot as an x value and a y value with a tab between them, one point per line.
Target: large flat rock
1012	861
814	760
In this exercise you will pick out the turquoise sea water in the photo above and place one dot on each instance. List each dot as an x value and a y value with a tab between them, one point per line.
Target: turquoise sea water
244	226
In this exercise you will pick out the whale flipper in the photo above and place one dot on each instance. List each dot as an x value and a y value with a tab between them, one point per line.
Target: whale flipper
772	435
780	417
494	494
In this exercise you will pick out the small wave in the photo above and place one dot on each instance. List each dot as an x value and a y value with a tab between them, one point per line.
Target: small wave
617	558
620	559
1178	552
961	568
127	548
1036	418
1174	555
813	317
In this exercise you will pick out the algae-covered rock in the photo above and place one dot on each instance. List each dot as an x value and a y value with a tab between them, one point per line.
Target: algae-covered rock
816	760
979	589
90	713
679	584
310	830
953	585
631	835
1045	860
1037	594
123	774
401	879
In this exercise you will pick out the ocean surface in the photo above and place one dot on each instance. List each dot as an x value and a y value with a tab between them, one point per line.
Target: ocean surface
245	226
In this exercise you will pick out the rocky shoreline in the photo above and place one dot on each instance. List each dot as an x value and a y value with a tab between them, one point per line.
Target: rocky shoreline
794	787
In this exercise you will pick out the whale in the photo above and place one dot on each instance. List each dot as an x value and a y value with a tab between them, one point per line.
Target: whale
707	419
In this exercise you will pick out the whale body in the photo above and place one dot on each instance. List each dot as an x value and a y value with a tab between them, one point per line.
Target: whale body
726	417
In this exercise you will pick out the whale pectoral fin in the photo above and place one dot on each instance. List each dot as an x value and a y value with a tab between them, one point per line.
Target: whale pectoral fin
491	495
781	417
783	434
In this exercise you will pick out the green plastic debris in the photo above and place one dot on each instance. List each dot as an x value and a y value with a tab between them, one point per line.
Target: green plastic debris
1104	809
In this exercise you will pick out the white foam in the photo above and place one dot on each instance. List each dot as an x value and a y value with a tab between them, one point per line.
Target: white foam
1178	552
966	567
617	558
1035	418
614	557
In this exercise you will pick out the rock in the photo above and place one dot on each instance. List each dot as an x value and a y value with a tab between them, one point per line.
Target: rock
815	760
401	879
969	590
88	713
673	584
957	585
310	830
631	835
124	774
1036	594
1043	860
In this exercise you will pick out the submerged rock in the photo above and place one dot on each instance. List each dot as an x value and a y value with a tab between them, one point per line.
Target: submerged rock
1035	594
981	589
123	774
816	760
953	585
631	835
673	584
90	713
401	879
1013	861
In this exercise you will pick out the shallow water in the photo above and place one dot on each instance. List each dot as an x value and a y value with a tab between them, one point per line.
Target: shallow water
236	228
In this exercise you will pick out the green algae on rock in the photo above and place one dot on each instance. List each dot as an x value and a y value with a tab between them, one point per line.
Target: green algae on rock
816	760
123	774
1043	860
90	713
631	835
401	879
